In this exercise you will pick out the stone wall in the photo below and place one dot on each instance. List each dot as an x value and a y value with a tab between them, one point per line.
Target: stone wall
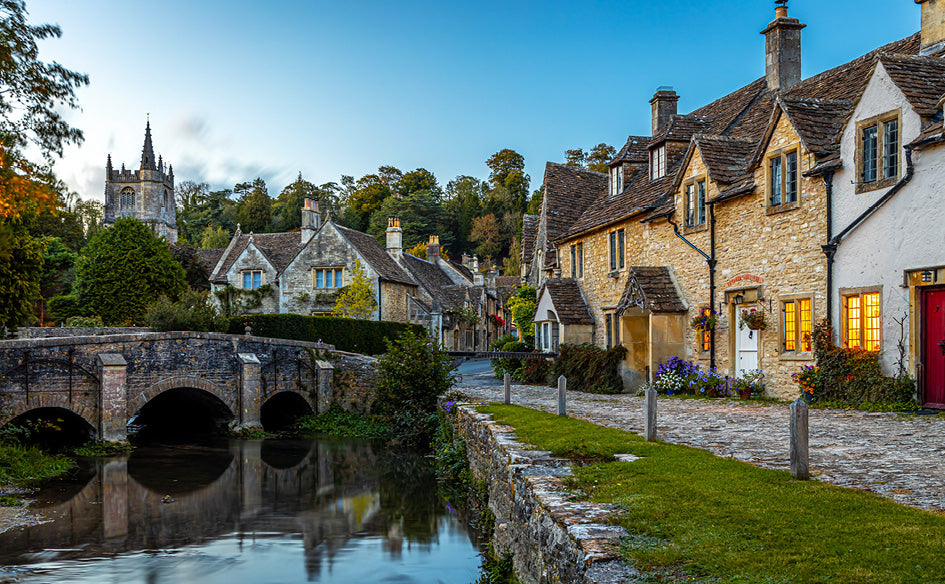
552	538
253	259
45	332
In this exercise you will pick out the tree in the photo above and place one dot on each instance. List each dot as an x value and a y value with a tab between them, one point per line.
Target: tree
254	207
420	217
356	300
599	157
123	269
419	180
21	270
575	157
58	271
420	251
508	170
487	233
367	194
215	237
522	306
195	272
287	208
464	199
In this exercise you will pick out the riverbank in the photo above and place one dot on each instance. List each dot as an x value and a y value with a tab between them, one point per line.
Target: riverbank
17	517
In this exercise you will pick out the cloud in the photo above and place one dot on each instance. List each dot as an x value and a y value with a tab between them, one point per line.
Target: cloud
192	128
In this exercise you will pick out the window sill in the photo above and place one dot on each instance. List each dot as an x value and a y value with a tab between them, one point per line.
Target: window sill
783	207
613	274
874	185
695	228
791	356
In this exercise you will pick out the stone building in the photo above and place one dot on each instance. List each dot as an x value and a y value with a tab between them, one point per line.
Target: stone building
726	210
147	194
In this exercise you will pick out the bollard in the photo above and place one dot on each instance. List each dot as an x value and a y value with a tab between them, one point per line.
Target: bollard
800	461
507	380
562	387
649	415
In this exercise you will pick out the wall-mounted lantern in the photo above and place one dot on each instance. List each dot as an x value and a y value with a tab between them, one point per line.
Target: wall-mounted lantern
927	276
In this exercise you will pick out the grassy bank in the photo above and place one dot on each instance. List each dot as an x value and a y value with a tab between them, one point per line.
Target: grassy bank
341	424
28	465
696	517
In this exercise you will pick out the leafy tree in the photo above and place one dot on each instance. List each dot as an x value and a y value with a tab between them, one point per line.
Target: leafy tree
195	272
575	157
420	217
215	237
420	251
522	306
58	272
287	208
356	300
464	200
123	270
366	197
599	156
195	311
508	170
487	233
198	208
419	180
21	270
90	214
254	207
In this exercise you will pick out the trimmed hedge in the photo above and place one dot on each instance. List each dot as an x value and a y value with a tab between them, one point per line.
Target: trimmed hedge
589	368
346	334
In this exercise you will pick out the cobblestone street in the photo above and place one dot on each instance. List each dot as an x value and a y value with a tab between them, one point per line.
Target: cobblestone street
901	457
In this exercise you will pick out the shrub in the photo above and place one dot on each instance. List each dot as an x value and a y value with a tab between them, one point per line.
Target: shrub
673	376
535	371
589	368
346	334
497	345
195	311
61	308
510	364
85	321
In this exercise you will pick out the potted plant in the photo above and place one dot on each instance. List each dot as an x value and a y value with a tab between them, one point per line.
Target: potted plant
754	319
704	321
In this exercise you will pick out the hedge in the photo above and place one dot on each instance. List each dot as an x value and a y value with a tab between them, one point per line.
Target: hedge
589	368
346	334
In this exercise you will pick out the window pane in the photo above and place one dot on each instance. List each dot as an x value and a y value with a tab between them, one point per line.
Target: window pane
609	330
319	278
581	260
871	321
805	315
700	203
257	280
790	326
775	178
706	335
690	206
613	250
853	322
329	279
339	282
891	149
790	178
247	281
869	154
621	249
574	261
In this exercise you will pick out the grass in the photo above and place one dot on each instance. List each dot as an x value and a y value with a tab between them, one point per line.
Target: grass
102	448
694	515
342	424
28	465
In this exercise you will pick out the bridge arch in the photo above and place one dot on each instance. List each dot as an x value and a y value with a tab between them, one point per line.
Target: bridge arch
281	408
226	395
55	426
49	400
182	405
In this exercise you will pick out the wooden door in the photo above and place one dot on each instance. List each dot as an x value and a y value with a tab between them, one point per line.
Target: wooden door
933	348
746	350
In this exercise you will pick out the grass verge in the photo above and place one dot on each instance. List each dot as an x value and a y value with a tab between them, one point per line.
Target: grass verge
694	515
28	465
342	424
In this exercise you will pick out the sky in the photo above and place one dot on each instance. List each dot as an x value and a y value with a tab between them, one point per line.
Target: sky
238	90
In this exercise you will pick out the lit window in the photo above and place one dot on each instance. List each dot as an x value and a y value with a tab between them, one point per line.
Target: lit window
252	279
878	151
658	163
328	277
796	332
707	334
862	321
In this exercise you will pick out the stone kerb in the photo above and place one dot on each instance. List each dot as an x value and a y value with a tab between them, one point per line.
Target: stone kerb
551	538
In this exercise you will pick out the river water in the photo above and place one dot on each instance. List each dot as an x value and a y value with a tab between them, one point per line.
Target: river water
245	512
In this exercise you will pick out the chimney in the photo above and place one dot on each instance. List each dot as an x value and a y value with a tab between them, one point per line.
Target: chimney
395	238
933	27
311	219
783	49
663	105
433	249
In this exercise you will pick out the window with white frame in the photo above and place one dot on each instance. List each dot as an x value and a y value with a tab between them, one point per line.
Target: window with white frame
658	162
616	179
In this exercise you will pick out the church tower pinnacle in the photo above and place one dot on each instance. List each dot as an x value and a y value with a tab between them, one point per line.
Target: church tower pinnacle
147	153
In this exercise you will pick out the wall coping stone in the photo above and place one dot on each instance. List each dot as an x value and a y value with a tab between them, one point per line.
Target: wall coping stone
155	337
112	360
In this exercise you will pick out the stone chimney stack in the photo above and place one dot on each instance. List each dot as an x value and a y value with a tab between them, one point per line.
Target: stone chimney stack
433	249
783	49
395	238
311	219
663	106
933	27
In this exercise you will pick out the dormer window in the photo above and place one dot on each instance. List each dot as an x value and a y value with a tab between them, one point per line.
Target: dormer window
658	163
877	152
616	179
695	203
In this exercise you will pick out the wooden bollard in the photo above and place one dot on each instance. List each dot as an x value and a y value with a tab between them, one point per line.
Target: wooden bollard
562	389
800	461
507	381
649	415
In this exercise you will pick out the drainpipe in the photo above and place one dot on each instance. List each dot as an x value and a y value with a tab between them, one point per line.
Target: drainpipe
829	250
710	260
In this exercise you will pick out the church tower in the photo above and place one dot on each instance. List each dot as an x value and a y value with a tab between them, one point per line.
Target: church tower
147	194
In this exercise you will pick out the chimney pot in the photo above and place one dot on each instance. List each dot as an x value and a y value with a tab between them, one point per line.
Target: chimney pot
395	238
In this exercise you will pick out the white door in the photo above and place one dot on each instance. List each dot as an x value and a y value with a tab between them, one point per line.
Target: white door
746	350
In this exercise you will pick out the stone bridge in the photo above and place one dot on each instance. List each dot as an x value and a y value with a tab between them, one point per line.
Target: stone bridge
107	379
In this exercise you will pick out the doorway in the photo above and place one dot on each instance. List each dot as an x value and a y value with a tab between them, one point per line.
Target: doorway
746	349
933	348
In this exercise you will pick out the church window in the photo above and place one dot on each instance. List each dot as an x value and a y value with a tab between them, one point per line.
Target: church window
328	277
252	279
126	201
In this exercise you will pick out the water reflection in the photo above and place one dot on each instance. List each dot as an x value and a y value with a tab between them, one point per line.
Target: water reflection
245	511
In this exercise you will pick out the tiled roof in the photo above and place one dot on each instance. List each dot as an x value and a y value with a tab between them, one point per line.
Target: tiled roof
277	248
726	158
466	272
680	128
209	258
432	279
652	288
568	301
507	280
385	266
551	257
634	150
819	122
569	191
921	79
529	234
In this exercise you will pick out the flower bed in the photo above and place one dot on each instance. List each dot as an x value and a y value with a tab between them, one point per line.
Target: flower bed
678	376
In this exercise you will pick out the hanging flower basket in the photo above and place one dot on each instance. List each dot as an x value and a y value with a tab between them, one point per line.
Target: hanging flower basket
704	321
498	320
753	319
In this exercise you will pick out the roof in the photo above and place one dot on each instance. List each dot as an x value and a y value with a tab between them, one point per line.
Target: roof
818	121
529	234
463	270
921	80
504	286
278	248
568	300
432	279
569	191
634	151
652	288
725	158
209	258
369	248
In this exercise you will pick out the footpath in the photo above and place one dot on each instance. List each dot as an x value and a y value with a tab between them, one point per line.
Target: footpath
901	457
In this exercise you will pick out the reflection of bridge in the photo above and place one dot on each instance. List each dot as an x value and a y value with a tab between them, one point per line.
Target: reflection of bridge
107	379
325	492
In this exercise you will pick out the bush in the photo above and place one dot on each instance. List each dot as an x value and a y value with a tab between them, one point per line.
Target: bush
589	368
195	311
510	364
368	337
61	308
497	345
535	371
85	321
678	376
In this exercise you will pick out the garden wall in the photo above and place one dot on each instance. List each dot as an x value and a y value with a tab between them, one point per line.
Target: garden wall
552	539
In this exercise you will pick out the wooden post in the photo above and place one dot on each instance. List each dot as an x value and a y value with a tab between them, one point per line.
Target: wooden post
649	415
800	461
507	381
562	389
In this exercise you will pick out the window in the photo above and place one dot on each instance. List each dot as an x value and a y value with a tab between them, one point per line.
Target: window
616	179
621	249
861	321
252	279
878	152
796	329
782	179
328	277
695	204
610	330
574	261
613	250
617	249
126	201
580	258
658	163
707	334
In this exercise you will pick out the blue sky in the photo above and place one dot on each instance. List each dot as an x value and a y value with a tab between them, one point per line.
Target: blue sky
242	89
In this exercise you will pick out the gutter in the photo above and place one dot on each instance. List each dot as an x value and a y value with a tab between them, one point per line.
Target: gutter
711	261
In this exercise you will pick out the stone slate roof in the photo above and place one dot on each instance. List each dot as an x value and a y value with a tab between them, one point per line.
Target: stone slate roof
432	279
209	258
681	128
568	300
726	158
634	151
369	248
466	272
819	122
278	248
529	234
921	79
652	288
569	191
504	286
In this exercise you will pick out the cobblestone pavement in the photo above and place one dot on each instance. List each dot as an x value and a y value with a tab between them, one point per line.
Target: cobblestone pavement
901	457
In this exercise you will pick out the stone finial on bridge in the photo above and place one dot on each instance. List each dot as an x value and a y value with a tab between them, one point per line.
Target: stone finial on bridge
250	390
113	397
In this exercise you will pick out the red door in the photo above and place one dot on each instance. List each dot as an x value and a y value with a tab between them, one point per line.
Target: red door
933	349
